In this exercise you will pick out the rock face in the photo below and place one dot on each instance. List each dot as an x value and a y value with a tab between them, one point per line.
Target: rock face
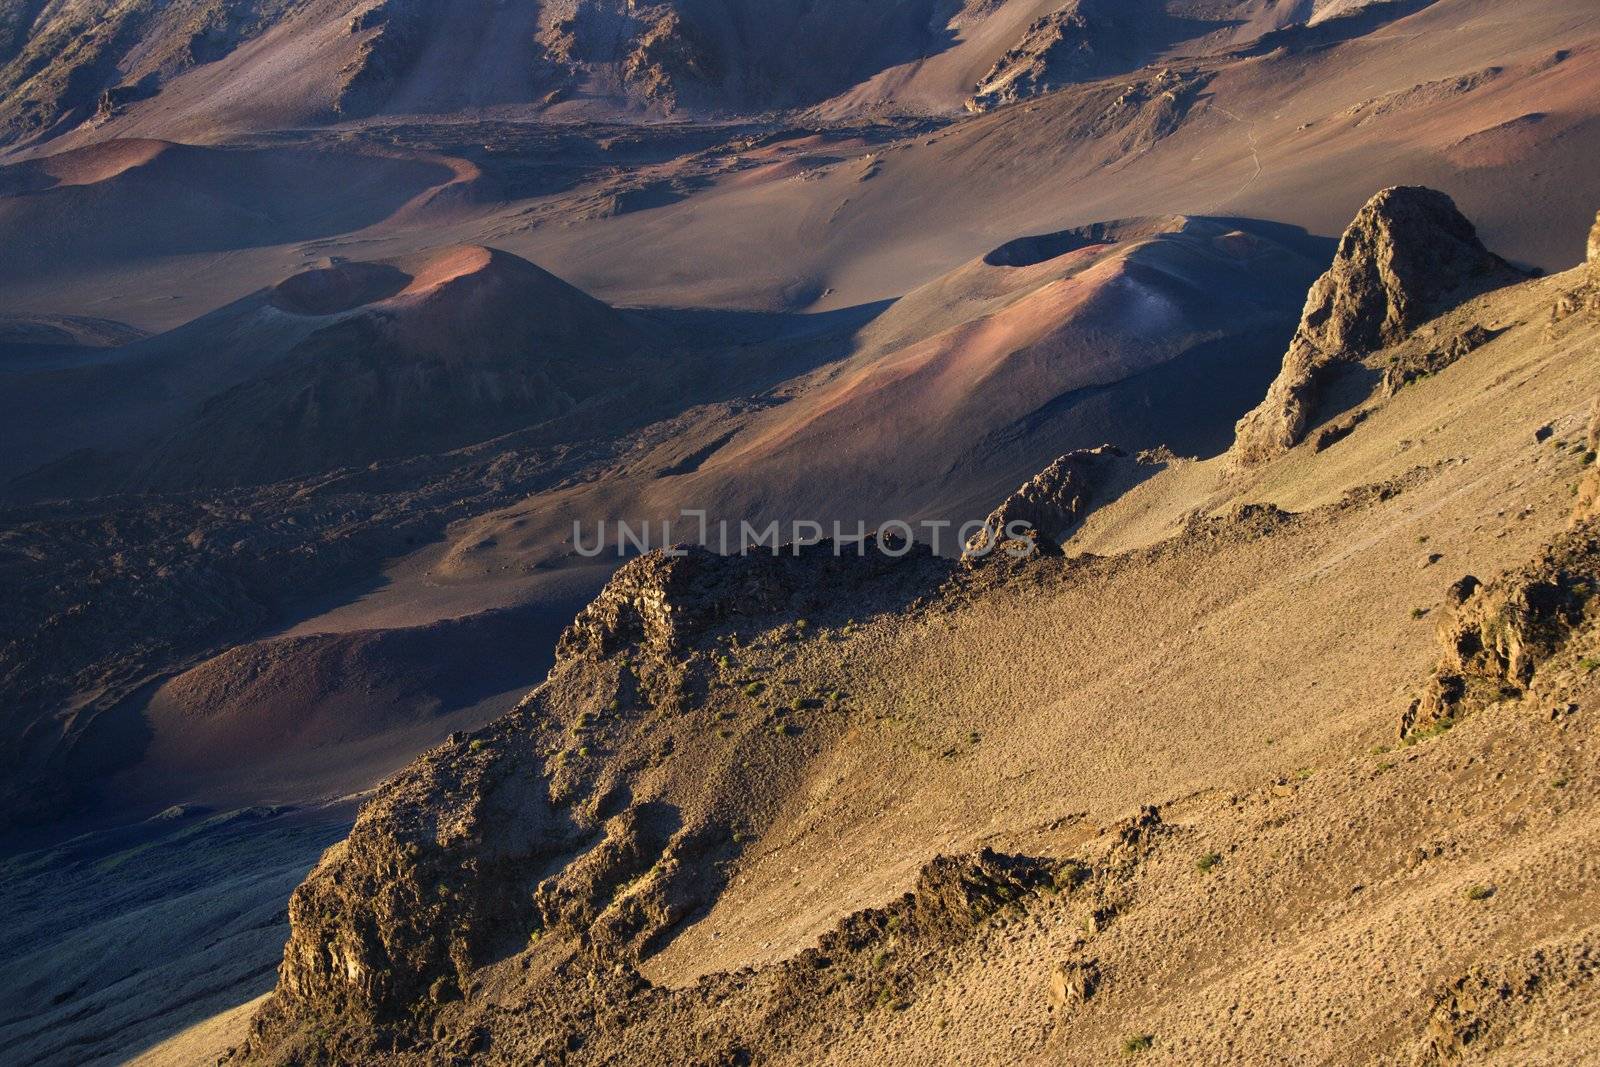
661	603
61	63
1407	369
1072	44
395	32
1053	502
1406	254
1497	635
1594	246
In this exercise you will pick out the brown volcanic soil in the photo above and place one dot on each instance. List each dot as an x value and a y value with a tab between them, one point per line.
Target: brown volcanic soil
783	215
1300	135
725	766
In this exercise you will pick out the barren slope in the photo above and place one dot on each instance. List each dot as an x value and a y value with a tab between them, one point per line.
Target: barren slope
734	757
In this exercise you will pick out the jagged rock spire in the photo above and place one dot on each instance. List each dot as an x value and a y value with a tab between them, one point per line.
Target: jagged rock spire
1408	250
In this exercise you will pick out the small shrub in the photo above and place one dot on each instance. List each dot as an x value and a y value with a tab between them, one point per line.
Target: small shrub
1208	861
1559	783
1134	1044
478	745
1070	875
1431	731
1589	664
1418	613
1480	892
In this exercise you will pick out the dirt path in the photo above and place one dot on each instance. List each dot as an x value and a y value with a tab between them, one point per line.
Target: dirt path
1255	157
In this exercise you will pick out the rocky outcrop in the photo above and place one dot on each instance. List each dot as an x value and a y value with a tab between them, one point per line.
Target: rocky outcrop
433	879
661	57
1072	983
661	603
1410	366
1496	636
669	55
1594	247
1052	503
1474	1014
62	63
1081	40
395	32
1408	253
501	839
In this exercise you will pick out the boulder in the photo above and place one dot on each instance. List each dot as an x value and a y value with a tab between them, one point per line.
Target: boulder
1073	982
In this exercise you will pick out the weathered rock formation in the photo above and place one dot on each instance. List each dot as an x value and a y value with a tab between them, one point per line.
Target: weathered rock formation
661	603
1408	367
1081	40
1406	255
62	63
395	32
514	834
1051	504
1496	636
